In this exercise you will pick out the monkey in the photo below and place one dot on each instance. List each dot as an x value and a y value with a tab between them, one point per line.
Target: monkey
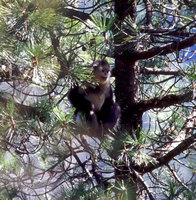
95	102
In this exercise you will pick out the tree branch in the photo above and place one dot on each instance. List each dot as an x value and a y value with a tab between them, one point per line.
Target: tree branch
156	71
164	101
163	50
184	132
148	6
141	180
23	110
184	145
95	168
176	147
170	48
176	33
74	14
160	50
189	3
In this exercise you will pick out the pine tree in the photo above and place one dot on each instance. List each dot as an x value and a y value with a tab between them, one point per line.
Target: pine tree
46	47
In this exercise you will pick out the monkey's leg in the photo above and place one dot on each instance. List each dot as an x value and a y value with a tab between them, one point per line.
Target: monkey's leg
93	123
114	117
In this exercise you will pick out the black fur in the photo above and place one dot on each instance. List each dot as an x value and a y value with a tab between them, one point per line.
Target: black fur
96	103
79	102
107	116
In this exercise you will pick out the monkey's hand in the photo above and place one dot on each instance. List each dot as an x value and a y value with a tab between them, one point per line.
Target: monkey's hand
77	98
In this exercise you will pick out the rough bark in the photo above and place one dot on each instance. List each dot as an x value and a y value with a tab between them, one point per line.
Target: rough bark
164	101
127	74
127	92
156	71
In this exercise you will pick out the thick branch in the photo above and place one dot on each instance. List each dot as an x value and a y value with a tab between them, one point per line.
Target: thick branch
177	146
176	33
170	48
160	50
156	71
74	14
184	145
165	101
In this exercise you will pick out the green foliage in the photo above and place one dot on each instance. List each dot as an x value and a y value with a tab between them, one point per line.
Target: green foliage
81	191
10	163
174	190
48	14
47	50
81	74
191	71
7	119
101	23
11	108
9	194
190	194
100	32
177	191
54	4
38	50
129	147
53	116
123	190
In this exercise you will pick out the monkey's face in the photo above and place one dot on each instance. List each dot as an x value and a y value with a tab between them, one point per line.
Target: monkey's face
102	74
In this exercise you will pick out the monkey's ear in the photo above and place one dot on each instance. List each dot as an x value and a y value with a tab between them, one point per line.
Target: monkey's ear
95	64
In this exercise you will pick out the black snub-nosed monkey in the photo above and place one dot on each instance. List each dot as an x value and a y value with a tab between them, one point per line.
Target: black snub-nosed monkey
96	103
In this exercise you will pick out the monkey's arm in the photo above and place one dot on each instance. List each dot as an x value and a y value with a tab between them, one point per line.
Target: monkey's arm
77	99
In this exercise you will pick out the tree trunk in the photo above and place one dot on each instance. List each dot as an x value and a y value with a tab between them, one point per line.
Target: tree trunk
127	87
127	72
127	93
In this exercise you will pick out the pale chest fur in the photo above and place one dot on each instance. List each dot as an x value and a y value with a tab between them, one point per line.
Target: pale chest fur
97	98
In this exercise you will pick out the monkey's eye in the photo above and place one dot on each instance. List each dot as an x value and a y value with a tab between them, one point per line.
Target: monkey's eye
105	71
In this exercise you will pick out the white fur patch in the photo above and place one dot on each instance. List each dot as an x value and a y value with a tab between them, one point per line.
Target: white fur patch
91	112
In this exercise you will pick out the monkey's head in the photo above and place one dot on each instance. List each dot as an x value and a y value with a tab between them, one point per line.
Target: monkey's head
101	71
